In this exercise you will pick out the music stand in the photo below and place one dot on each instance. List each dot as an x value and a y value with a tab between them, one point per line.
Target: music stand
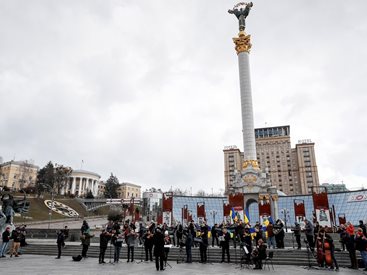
309	253
168	246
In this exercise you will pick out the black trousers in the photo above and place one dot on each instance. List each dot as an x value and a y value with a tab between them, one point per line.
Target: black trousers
310	241
85	250
59	246
148	250
130	250
102	251
159	262
298	240
225	249
258	262
353	258
215	238
203	256
188	254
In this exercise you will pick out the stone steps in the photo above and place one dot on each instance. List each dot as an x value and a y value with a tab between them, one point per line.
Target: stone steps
281	257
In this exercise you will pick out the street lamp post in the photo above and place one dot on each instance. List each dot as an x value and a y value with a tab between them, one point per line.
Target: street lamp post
213	213
52	203
285	213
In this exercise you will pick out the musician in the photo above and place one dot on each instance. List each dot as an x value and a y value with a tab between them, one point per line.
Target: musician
104	237
214	232
148	242
259	254
189	241
224	243
158	241
179	232
361	245
116	240
327	244
279	233
350	245
258	233
247	241
270	239
297	233
309	234
167	241
204	244
130	237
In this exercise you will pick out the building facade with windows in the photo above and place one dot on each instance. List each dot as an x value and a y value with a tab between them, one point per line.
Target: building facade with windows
128	190
292	170
17	175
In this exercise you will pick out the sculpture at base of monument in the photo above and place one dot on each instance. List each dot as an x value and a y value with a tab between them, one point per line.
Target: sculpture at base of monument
10	206
241	11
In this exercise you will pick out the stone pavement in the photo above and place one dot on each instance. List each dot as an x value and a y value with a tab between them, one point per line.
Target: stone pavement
34	264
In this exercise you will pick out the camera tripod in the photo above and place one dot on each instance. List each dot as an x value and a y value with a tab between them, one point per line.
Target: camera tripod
309	253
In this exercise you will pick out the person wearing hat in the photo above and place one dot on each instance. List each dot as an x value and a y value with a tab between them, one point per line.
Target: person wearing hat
15	235
167	242
225	238
5	244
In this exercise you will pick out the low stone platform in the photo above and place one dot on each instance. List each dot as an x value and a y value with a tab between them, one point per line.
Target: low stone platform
36	264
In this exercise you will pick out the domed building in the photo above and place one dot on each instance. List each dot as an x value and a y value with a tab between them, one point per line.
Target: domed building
80	182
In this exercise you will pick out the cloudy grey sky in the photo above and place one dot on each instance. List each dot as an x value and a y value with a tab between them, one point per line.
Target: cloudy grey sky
149	90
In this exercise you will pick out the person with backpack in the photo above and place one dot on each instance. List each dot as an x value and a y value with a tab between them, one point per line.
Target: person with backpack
5	244
60	242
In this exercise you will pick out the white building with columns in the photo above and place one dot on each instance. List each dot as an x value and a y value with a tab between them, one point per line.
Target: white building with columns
80	182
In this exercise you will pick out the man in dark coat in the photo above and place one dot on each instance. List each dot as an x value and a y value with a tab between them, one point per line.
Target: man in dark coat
158	241
104	237
225	238
297	233
60	242
204	244
215	234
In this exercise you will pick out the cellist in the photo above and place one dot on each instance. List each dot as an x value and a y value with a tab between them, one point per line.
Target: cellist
327	249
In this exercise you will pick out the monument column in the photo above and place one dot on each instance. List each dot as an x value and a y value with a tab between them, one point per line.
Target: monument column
243	47
73	186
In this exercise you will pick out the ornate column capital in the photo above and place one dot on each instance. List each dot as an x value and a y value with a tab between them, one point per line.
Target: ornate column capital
243	43
275	197
253	163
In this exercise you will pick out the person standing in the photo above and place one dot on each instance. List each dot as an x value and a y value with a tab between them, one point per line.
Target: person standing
350	245
5	244
130	238
148	242
179	232
117	243
309	234
225	238
270	239
214	233
279	233
158	241
60	242
15	236
361	246
204	244
188	243
363	227
297	233
167	242
104	237
85	238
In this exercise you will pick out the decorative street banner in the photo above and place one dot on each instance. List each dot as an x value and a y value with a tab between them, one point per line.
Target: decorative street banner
264	205
137	214
236	200
226	209
300	212
321	205
132	207
184	214
357	197
200	209
167	218
342	219
167	206
189	216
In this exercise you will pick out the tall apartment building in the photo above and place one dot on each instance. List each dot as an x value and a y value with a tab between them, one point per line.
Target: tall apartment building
291	170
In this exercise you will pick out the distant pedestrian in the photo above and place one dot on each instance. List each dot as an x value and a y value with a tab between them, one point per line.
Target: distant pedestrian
60	242
103	243
297	233
5	244
85	238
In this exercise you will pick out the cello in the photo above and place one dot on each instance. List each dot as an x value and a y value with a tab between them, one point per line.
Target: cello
327	251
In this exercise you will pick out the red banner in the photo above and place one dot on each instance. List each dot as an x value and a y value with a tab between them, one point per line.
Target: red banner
132	207
184	213
236	200
226	209
167	204
200	209
160	218
320	198
299	208
189	216
137	215
264	205
342	219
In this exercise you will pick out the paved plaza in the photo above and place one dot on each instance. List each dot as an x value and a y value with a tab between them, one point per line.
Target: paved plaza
34	264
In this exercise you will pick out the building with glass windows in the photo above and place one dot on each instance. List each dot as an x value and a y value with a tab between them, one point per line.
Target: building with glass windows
352	204
292	170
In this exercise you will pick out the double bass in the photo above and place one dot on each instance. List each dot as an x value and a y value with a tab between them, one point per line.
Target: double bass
324	251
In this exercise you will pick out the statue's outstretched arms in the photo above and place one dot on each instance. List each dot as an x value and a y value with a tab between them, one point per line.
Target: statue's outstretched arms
231	11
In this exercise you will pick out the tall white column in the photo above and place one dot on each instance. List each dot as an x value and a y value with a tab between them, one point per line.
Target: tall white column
73	186
249	145
80	186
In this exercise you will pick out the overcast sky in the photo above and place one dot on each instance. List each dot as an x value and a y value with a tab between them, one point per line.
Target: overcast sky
149	90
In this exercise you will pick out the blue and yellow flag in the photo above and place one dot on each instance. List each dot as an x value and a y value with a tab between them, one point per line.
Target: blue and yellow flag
246	217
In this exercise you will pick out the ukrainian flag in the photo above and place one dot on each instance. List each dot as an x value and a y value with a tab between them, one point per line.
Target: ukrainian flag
246	217
232	213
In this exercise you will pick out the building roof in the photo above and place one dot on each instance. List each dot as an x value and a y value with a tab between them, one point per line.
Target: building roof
81	171
19	162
